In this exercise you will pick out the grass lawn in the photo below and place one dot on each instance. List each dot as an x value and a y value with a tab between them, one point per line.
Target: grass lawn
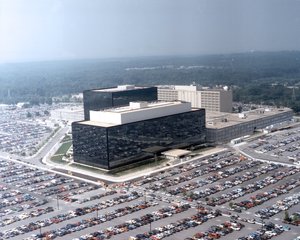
121	172
141	167
202	150
64	148
58	159
66	138
87	168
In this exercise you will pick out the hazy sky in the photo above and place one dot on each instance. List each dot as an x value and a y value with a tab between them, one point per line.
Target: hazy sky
60	29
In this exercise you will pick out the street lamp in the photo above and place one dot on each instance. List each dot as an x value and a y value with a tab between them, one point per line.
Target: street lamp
57	202
262	223
145	196
198	207
128	186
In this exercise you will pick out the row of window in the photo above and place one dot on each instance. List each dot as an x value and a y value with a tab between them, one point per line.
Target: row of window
114	146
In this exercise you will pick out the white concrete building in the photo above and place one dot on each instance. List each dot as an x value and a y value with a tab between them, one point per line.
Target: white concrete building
67	114
217	99
138	111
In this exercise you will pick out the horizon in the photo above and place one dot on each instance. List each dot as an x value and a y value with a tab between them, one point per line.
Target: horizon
107	59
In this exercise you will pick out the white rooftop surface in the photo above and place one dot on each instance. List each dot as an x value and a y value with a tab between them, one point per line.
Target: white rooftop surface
186	88
192	88
214	119
119	88
69	110
99	124
137	111
176	153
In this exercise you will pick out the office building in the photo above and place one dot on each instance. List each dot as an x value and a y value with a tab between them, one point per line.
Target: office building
119	136
67	115
97	99
216	99
222	127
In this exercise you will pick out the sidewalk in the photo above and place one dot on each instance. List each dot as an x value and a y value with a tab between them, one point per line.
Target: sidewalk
134	174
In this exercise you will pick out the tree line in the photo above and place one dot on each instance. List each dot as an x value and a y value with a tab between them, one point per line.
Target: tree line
257	77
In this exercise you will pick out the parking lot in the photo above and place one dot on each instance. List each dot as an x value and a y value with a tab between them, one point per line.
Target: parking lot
23	131
28	193
224	195
282	146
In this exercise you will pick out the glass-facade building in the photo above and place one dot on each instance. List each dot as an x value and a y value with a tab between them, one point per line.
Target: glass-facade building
97	99
119	145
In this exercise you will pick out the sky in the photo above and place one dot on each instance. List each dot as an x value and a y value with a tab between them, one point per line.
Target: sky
77	29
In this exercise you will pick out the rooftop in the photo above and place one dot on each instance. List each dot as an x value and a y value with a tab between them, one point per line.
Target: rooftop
136	111
192	88
97	124
218	120
176	153
69	110
139	106
119	88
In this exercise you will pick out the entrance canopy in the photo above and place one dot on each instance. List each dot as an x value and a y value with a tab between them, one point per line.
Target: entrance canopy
176	153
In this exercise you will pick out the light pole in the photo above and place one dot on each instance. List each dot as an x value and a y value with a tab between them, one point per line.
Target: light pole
145	196
128	186
97	211
40	230
57	201
262	223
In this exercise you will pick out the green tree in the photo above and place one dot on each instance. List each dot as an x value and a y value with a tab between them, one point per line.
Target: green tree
286	216
295	217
